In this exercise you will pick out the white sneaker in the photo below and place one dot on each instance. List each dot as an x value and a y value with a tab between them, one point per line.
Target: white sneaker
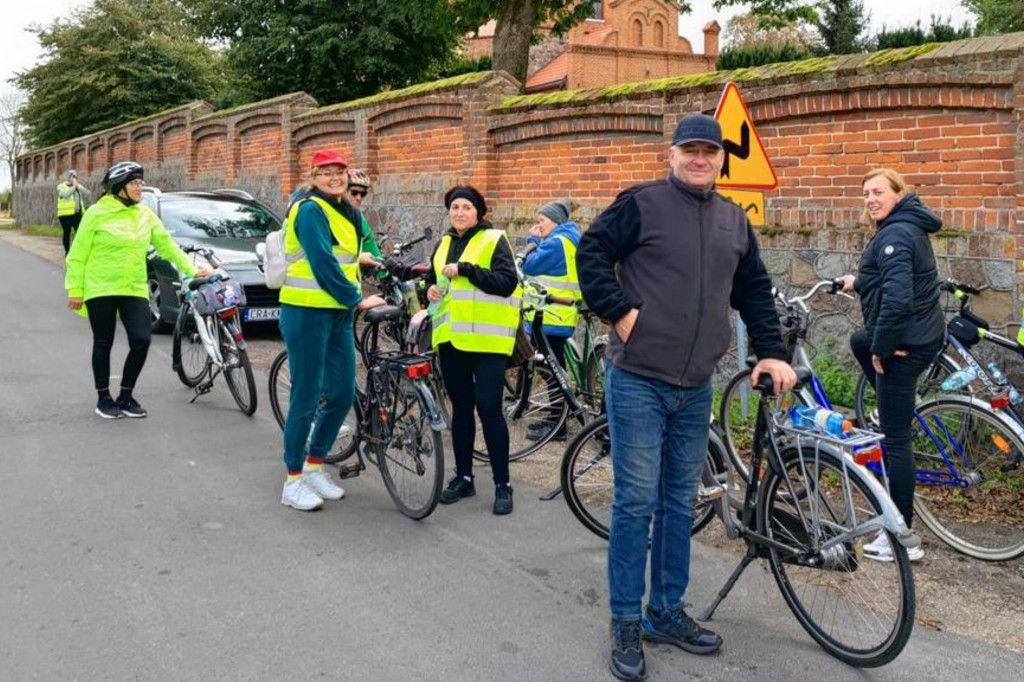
879	549
321	484
298	495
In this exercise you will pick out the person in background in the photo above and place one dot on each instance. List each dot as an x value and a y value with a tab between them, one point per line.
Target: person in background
551	262
904	328
106	275
71	197
358	188
474	280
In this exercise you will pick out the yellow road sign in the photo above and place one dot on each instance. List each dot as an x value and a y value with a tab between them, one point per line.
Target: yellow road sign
751	202
746	162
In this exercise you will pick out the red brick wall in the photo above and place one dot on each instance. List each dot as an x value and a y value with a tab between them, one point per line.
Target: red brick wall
211	154
261	148
174	142
423	145
145	148
119	151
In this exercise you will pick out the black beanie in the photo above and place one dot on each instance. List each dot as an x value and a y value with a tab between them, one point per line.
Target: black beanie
470	194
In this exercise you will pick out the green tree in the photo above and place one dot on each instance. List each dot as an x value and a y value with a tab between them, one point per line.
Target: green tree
940	31
112	62
335	50
12	138
997	16
840	23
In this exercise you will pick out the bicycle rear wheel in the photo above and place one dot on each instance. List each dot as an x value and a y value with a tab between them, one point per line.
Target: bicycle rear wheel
411	457
860	611
237	371
280	387
187	346
588	481
970	479
593	372
929	385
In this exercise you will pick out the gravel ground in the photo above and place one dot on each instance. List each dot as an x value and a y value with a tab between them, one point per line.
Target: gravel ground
983	601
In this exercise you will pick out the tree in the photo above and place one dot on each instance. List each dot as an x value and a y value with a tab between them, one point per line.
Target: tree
749	30
517	21
940	31
840	23
12	140
335	50
112	62
997	16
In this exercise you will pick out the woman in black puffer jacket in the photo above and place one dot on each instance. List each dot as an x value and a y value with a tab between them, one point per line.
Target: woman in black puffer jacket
904	328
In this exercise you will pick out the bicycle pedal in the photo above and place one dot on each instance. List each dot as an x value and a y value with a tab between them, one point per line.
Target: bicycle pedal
350	470
710	493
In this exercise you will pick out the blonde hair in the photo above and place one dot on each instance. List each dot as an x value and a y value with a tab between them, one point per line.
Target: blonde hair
896	182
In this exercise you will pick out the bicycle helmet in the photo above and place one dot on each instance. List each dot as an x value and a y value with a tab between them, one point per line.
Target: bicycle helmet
358	177
119	175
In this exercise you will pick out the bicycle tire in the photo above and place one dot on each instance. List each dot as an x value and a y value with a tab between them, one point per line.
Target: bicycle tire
193	361
411	462
978	512
880	595
587	480
593	373
928	385
540	405
279	389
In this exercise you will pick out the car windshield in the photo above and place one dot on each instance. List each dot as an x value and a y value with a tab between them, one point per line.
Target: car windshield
206	217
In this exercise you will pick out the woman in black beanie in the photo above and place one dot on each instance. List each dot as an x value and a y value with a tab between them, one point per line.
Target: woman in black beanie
473	280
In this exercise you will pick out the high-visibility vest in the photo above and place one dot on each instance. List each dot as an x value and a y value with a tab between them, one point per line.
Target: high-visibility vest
562	286
300	287
468	318
66	205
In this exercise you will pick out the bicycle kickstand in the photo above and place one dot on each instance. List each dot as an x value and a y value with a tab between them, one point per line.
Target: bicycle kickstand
201	389
724	592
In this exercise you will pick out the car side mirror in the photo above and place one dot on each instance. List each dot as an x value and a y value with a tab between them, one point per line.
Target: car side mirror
261	251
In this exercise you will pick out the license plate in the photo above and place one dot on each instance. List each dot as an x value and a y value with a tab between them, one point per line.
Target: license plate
261	314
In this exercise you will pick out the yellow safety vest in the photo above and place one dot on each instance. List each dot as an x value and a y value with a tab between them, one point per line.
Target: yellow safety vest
66	205
467	317
562	286
300	287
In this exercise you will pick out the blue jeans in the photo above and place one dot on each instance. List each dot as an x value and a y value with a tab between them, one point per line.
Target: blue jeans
659	435
322	362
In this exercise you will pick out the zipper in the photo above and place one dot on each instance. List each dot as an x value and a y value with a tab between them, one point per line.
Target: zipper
700	287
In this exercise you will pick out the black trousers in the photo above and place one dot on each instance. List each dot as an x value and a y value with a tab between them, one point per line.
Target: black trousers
897	392
476	381
103	312
69	223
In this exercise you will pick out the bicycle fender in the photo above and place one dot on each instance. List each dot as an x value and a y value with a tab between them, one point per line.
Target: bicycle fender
436	423
415	325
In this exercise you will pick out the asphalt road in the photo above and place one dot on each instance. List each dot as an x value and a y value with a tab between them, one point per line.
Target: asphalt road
156	549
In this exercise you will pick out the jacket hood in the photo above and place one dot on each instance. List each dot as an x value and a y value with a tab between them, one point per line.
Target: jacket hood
910	210
570	231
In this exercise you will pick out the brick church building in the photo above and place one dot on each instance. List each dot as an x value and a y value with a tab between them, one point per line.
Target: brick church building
624	41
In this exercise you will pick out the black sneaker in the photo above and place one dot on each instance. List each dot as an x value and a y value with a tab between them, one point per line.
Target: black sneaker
108	409
502	499
130	407
457	488
627	655
540	430
678	629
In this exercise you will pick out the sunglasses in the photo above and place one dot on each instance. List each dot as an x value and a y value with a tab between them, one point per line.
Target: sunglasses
357	192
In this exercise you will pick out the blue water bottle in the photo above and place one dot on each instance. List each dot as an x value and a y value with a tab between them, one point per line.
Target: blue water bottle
820	419
1001	380
958	379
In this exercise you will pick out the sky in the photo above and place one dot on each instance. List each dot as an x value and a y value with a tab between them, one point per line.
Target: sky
19	49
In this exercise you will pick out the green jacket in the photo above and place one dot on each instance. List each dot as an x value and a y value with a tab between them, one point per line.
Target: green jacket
108	256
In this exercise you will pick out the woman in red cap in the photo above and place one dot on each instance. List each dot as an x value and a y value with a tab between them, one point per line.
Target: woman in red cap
321	290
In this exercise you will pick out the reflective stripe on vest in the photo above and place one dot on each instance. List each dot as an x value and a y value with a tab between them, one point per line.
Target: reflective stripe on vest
300	286
562	286
468	318
65	205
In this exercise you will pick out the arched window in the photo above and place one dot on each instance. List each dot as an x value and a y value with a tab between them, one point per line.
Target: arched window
638	32
659	34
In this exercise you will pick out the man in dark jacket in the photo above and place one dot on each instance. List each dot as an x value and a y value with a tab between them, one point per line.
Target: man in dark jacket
664	263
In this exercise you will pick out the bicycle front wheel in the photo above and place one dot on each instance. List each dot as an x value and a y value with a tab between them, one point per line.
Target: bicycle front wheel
237	371
970	479
860	611
411	458
187	347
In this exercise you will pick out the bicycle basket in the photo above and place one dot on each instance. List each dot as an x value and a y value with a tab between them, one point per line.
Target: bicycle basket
213	297
523	350
964	331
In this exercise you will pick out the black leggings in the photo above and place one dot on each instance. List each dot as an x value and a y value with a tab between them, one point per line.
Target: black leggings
476	381
69	223
897	393
135	317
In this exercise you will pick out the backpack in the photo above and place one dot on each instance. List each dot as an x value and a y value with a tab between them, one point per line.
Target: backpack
276	261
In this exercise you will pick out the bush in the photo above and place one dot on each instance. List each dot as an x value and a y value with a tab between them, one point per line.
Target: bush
940	31
756	55
838	379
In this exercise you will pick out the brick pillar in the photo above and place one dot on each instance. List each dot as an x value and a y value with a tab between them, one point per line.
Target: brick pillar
1018	227
233	152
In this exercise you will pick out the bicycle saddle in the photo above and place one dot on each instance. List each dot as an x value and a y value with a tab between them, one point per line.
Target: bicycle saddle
383	313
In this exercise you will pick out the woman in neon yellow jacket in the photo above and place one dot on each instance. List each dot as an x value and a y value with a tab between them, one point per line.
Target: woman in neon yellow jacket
106	275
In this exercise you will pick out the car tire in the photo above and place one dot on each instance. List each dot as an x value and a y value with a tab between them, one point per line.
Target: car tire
157	323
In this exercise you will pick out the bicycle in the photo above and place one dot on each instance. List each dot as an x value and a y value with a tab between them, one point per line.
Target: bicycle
585	362
208	336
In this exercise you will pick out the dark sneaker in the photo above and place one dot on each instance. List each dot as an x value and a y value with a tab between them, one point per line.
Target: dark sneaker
108	409
540	430
131	408
457	488
627	655
502	499
675	627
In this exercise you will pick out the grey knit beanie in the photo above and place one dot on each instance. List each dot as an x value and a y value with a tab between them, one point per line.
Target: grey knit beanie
557	211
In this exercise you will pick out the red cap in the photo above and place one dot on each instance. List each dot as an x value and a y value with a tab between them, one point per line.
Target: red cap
328	157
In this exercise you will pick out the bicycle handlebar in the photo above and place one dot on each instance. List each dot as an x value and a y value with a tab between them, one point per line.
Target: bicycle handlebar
206	253
834	290
951	286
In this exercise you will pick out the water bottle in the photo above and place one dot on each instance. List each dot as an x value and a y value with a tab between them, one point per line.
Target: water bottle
958	379
1001	380
820	419
442	283
412	300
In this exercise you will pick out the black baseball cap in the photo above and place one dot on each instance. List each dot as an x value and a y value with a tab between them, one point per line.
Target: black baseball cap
697	128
